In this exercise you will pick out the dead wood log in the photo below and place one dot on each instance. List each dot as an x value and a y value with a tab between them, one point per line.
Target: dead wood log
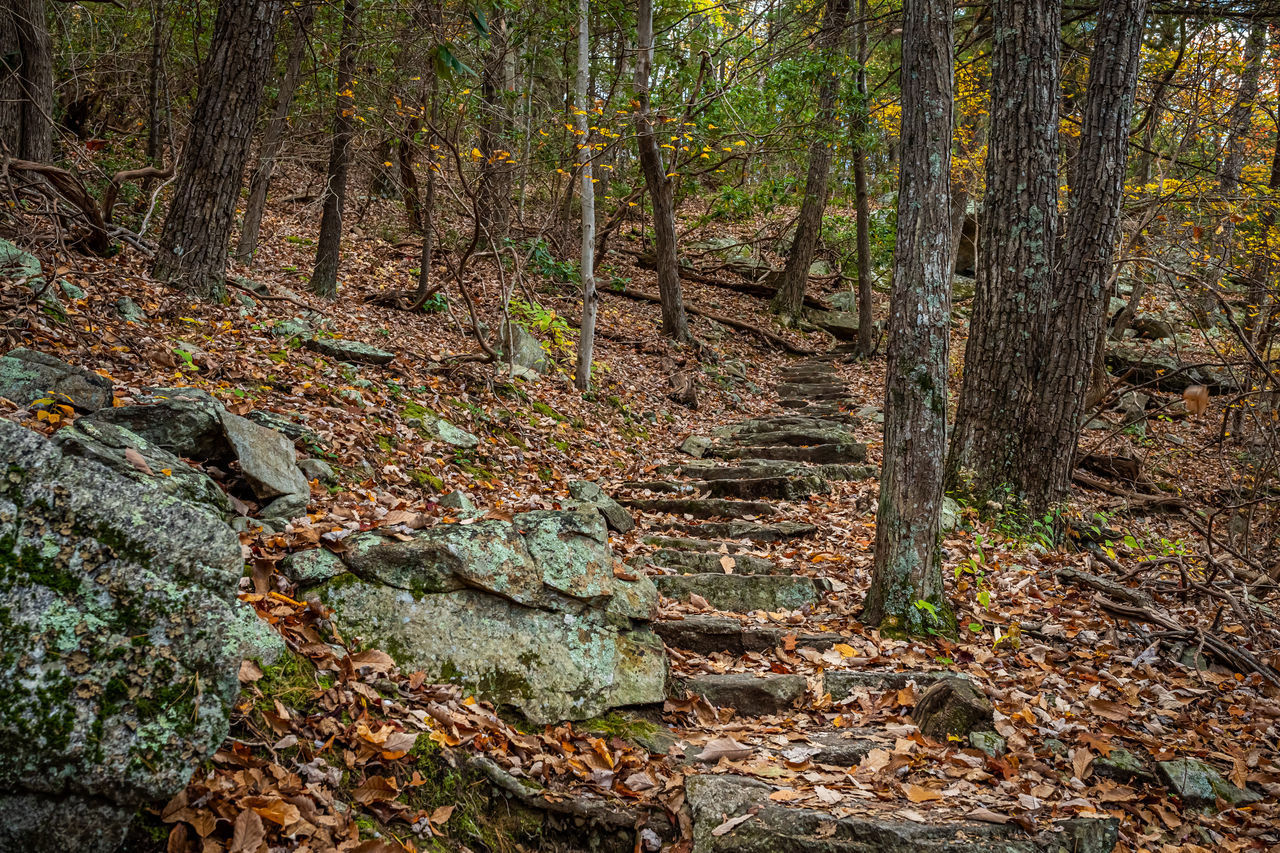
777	340
764	288
55	182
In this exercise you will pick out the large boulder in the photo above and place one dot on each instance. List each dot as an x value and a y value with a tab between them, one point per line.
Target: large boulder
520	348
120	640
27	376
527	613
266	458
184	421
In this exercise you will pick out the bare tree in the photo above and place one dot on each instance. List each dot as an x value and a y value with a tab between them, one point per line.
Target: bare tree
590	299
906	594
324	276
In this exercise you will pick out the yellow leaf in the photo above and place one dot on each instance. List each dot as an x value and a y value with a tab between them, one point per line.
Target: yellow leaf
845	650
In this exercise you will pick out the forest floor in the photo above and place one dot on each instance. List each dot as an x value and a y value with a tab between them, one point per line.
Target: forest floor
1076	667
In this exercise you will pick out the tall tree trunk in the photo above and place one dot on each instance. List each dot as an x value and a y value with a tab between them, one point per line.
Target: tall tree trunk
1260	274
495	137
590	299
193	244
1016	265
675	324
324	276
906	594
789	300
866	323
1075	319
26	81
273	137
156	84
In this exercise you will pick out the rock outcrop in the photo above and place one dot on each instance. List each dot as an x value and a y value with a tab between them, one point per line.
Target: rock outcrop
527	613
120	640
27	376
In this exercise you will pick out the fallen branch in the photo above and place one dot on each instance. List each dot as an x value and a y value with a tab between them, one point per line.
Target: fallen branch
751	288
1136	500
777	340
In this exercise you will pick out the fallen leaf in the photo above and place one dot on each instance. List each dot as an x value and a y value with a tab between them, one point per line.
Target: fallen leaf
728	825
135	459
724	747
920	794
249	833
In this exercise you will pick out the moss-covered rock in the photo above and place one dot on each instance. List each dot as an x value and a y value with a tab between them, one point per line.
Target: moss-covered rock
527	613
27	376
120	638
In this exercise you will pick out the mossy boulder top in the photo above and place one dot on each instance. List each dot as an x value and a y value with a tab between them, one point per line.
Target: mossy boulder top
120	640
527	613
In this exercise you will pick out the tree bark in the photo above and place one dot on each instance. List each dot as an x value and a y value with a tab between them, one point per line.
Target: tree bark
156	86
790	299
906	594
273	137
497	80
324	276
675	324
1016	266
193	244
26	81
590	299
1075	319
866	341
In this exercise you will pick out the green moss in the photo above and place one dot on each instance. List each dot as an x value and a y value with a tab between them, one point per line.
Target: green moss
546	411
427	481
474	469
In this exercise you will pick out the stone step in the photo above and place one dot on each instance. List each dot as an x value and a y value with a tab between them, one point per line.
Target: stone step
701	507
813	392
741	593
753	531
842	683
709	634
819	453
769	424
688	543
825	408
752	469
749	694
772	828
709	562
785	488
798	436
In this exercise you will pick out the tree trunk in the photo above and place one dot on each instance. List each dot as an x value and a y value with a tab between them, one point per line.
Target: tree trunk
156	84
675	324
193	244
495	136
590	299
273	138
906	594
26	81
866	340
1075	318
1016	265
795	277
324	276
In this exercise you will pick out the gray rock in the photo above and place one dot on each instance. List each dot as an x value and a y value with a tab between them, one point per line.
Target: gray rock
521	349
186	422
712	562
1123	766
695	446
772	828
953	707
294	327
267	459
287	424
820	268
1199	785
312	568
317	469
24	268
74	292
845	300
841	324
459	501
352	352
754	531
950	515
118	646
527	613
741	593
842	684
748	694
27	376
107	444
129	311
286	507
989	743
440	429
615	515
702	508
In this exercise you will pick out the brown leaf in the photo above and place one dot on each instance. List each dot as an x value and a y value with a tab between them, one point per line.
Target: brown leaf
728	564
376	789
135	459
698	602
249	672
920	794
1081	761
988	816
441	815
724	747
249	834
727	827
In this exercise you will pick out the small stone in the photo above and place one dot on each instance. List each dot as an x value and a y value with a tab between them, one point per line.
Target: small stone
695	446
287	507
1123	766
310	568
748	694
71	291
615	515
741	593
267	458
1199	785
294	327
129	311
352	352
460	502
439	428
317	469
953	706
950	515
989	743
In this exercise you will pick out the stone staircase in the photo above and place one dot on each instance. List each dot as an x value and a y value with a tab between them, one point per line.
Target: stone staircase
719	523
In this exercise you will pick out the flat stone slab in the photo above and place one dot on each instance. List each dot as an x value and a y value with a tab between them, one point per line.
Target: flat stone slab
711	562
818	453
772	828
353	352
843	683
1199	784
754	469
741	593
776	532
709	634
748	694
702	507
687	543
